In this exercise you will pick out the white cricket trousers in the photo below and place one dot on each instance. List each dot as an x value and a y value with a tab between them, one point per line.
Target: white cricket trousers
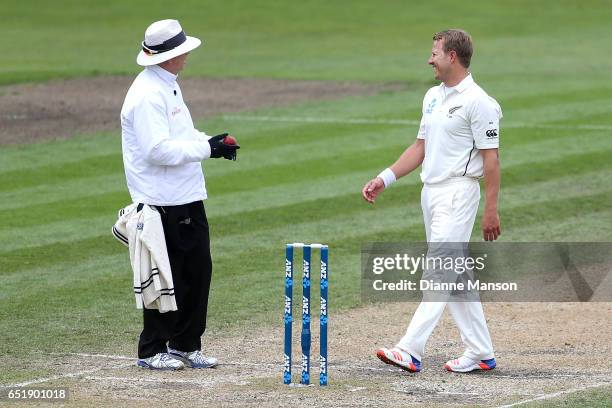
449	211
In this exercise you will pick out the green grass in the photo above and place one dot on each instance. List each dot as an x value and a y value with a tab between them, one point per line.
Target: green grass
65	282
364	40
595	398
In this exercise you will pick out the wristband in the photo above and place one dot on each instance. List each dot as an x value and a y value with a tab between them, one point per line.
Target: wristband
387	176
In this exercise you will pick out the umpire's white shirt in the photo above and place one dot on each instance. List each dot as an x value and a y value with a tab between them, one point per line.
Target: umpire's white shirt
161	148
456	123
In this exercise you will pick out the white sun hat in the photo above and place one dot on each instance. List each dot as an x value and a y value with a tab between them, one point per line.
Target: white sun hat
165	40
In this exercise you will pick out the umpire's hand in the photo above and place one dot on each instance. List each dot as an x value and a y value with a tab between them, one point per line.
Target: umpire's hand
220	149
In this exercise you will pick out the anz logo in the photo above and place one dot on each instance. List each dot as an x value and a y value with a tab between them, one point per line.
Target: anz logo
323	270
323	364
287	305
323	309
305	306
288	268
306	269
492	133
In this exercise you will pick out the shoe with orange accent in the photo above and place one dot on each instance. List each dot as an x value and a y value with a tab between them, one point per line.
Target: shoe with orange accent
399	358
464	365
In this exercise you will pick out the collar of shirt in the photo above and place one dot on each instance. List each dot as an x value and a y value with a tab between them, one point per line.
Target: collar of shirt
167	76
460	87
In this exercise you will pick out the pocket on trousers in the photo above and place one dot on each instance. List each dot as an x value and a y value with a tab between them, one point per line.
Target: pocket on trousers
188	234
464	197
184	232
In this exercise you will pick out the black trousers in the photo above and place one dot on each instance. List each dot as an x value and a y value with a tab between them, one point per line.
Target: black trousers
188	243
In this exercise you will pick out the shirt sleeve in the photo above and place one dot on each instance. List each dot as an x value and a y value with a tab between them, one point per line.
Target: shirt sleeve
484	122
200	135
153	135
423	125
422	129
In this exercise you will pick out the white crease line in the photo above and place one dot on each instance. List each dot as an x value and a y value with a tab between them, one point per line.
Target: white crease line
443	393
117	357
365	121
151	380
333	365
555	394
58	377
457	393
542	375
112	357
230	363
164	381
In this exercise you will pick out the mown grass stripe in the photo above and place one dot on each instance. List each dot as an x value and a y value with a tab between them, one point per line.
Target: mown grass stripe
311	154
74	189
329	209
90	304
58	152
539	144
283	142
319	168
536	100
397	218
69	253
345	242
66	230
579	227
346	261
558	112
48	153
272	231
56	174
37	214
109	203
399	122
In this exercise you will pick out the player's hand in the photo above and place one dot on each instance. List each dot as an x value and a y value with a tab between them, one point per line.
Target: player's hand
220	149
372	189
491	228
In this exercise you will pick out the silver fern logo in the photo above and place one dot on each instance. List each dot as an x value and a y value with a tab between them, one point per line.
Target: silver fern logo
454	109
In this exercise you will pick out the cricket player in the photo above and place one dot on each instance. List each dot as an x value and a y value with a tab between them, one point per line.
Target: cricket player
456	145
162	154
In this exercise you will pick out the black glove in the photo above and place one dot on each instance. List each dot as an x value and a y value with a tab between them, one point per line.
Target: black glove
220	149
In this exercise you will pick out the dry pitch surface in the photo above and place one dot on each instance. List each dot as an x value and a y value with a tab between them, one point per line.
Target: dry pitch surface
64	108
544	351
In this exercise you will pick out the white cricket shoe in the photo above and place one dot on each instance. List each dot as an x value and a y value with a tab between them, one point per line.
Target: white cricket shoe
464	365
399	358
194	359
161	361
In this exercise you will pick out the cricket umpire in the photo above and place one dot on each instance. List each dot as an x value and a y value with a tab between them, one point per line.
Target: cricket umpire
457	144
162	152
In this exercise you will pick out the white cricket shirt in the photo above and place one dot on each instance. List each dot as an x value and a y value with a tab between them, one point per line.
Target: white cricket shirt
161	148
456	123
